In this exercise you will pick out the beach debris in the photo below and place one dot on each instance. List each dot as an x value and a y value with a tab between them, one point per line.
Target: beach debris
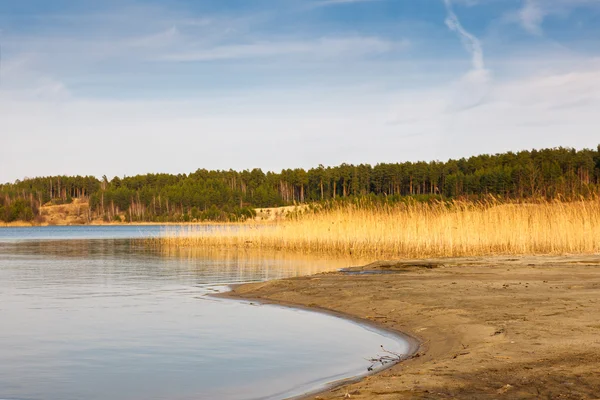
464	353
499	331
504	389
388	357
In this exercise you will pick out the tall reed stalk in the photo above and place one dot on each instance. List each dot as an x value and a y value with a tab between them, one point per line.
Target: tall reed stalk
417	230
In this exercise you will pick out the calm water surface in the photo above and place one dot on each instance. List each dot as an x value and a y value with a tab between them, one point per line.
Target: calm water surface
89	313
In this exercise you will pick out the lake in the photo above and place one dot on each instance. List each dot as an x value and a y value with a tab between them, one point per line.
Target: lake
91	313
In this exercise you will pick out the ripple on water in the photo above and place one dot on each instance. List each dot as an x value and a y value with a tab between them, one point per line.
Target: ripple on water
107	318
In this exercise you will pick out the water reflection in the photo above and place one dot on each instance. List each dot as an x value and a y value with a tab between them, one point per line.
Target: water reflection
204	266
98	319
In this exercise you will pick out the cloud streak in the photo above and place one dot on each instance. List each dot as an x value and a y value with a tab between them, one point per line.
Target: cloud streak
327	3
145	51
532	14
323	48
471	90
471	43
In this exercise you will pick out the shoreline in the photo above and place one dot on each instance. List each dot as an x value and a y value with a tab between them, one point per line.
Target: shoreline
487	327
415	345
45	224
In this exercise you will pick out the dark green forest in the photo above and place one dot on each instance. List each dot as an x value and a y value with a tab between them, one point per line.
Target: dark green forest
563	173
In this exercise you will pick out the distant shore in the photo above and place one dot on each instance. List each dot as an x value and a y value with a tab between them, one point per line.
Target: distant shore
20	224
494	327
73	214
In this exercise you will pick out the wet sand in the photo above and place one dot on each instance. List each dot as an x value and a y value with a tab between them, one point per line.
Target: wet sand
488	327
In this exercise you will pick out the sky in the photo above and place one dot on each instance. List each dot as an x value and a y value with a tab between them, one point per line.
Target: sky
126	87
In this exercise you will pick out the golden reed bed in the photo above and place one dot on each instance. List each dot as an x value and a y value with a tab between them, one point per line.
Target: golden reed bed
416	230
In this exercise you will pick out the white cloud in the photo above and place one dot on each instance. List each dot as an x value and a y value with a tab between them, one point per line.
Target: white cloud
158	40
325	3
540	110
471	43
329	121
117	43
328	47
473	86
274	130
531	16
128	34
533	12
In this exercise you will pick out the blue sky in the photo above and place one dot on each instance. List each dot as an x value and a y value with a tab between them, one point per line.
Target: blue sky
127	87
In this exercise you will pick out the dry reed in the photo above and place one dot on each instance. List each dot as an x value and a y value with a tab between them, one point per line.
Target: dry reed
417	230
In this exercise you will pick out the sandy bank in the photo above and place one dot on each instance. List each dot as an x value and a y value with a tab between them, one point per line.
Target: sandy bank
524	327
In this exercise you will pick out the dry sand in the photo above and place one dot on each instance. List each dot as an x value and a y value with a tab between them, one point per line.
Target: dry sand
489	327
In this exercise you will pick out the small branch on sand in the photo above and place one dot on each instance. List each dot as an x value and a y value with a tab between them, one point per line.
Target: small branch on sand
389	357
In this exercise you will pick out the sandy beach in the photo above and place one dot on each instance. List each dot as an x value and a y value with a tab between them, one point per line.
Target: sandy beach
503	327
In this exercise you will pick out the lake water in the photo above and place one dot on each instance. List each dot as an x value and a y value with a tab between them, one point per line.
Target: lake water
89	313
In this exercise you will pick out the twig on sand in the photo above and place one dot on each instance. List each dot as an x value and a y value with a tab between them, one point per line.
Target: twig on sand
389	357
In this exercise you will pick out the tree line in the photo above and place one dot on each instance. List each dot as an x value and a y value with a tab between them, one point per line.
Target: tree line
232	195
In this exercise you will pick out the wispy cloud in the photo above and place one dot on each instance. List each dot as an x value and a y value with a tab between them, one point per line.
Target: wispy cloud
326	3
324	48
532	14
471	43
531	111
473	86
98	52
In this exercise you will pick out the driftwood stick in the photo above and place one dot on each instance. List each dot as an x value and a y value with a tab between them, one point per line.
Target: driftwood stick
390	357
